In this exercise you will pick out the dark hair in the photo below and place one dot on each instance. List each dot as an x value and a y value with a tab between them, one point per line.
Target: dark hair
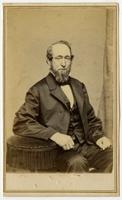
49	50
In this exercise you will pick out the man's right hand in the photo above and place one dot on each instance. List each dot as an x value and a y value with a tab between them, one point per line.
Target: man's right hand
65	141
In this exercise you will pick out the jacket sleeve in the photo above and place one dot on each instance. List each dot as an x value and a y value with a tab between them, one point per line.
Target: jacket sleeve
95	130
26	121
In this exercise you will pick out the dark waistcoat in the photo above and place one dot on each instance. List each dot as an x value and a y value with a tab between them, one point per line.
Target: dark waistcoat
75	129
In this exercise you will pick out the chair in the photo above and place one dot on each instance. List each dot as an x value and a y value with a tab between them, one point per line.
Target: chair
24	153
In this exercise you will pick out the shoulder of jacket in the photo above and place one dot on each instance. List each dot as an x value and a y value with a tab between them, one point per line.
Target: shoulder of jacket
37	86
77	81
80	85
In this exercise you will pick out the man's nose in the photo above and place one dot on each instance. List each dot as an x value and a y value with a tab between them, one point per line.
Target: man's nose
63	63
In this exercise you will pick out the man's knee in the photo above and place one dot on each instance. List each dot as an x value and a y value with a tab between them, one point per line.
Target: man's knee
77	164
71	161
109	160
108	155
104	160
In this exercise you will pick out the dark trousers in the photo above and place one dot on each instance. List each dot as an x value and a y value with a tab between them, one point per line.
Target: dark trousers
85	157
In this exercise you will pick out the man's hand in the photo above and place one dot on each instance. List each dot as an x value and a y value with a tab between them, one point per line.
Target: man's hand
103	142
65	141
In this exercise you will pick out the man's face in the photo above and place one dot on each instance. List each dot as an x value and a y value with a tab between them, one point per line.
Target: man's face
61	62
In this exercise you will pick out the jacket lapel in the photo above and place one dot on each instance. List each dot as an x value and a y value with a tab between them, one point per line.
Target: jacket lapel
56	91
78	93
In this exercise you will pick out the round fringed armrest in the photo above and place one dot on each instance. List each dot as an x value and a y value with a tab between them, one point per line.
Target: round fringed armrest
30	153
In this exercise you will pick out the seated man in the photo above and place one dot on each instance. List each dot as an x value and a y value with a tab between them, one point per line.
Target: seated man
57	108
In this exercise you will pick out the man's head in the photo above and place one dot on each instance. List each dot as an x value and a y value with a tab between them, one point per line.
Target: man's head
59	57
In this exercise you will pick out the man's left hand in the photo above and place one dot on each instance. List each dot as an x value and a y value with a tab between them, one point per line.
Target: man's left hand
103	142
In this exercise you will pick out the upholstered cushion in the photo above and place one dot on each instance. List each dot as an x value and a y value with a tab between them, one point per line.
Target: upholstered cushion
32	154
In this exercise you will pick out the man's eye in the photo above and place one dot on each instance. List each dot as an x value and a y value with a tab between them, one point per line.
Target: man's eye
68	58
58	57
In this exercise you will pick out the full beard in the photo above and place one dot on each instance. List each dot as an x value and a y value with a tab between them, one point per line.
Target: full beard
62	75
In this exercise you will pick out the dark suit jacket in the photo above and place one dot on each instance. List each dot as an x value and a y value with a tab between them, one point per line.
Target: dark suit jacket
46	112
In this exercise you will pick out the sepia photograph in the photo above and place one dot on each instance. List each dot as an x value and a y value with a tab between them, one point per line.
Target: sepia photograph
61	99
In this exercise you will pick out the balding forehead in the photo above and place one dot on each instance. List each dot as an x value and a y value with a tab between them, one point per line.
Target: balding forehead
60	49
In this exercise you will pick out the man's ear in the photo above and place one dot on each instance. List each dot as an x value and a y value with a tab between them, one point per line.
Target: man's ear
48	61
72	57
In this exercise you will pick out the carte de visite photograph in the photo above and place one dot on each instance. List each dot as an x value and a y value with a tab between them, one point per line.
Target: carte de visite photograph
61	99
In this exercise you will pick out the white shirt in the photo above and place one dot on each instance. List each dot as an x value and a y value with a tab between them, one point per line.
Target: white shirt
68	92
